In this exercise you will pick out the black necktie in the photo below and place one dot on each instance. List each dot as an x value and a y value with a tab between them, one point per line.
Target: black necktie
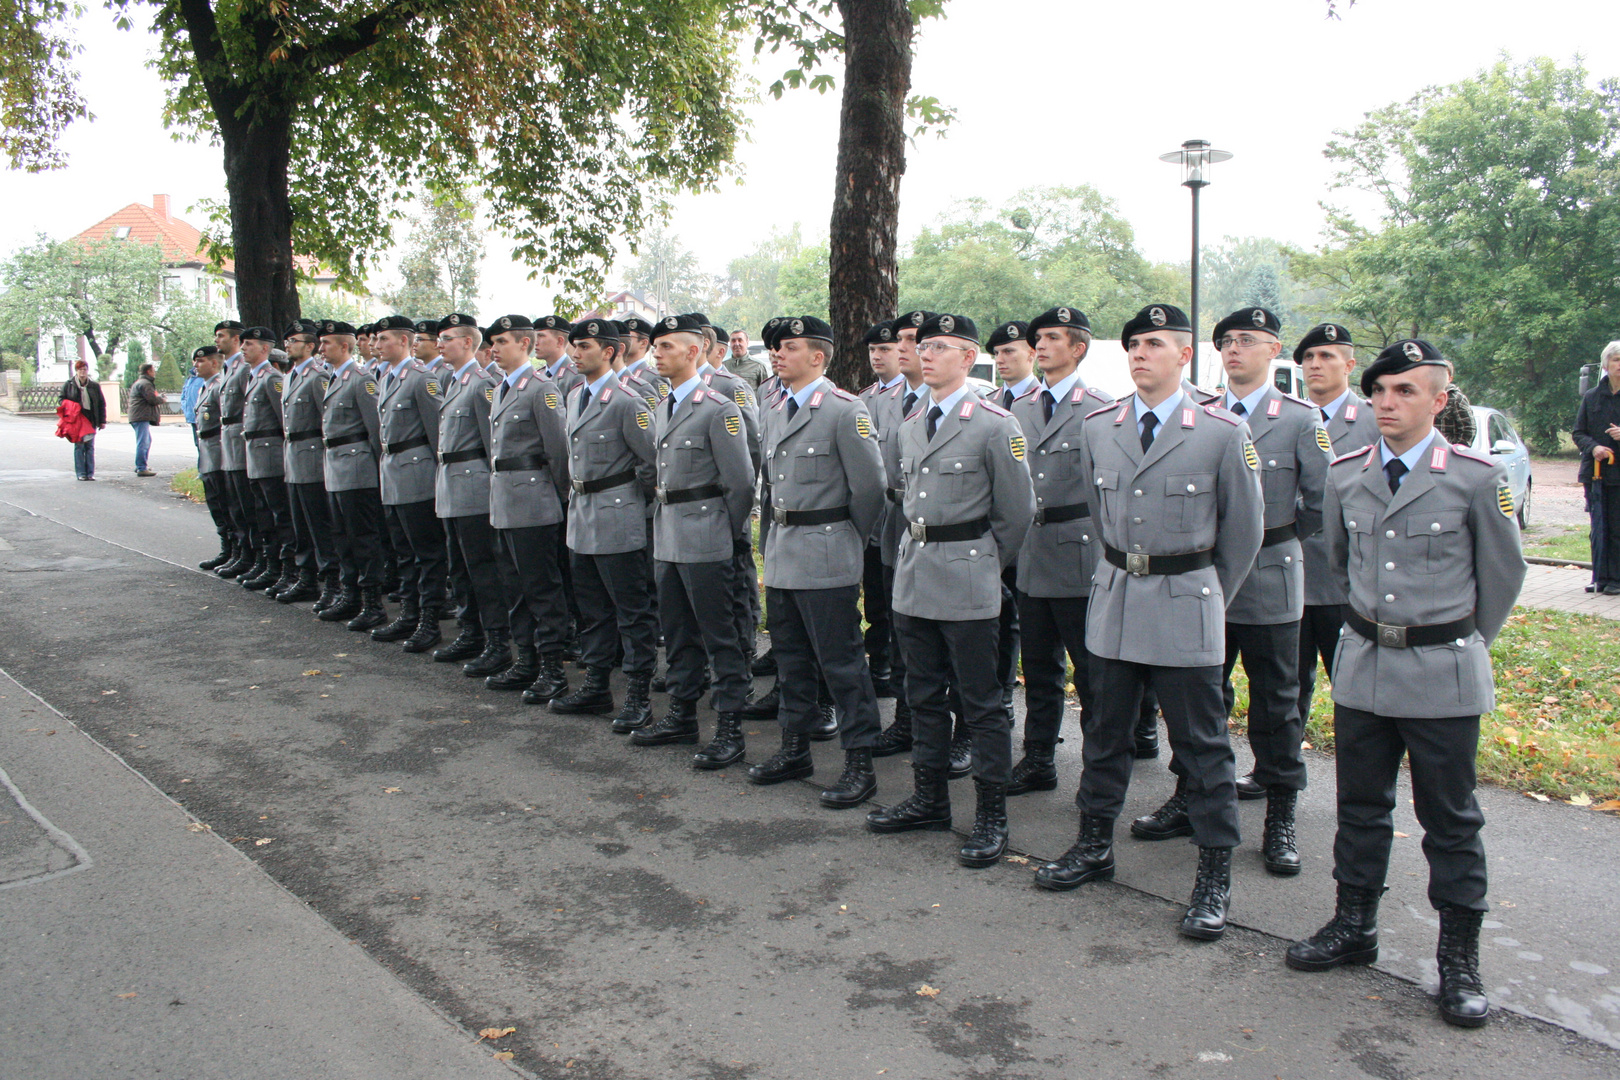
1048	402
1007	398
1393	473
1240	409
792	407
672	406
910	403
505	386
933	419
1149	422
584	399
1325	416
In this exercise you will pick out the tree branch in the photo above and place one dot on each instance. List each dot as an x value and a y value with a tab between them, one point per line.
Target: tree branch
342	44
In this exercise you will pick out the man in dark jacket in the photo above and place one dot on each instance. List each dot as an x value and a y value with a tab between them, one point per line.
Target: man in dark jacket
145	409
87	392
1597	433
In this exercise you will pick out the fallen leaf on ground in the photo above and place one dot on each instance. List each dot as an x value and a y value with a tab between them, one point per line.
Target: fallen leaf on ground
391	790
104	693
1608	804
1018	859
313	671
197	826
504	1055
263	840
927	991
1404	836
1583	799
1538	796
126	997
496	1033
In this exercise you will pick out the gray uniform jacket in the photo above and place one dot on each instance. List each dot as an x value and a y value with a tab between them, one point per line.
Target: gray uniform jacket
304	457
724	382
1444	546
210	458
349	417
611	440
647	372
703	445
462	486
1351	428
1059	557
1294	452
888	414
232	396
408	413
647	391
261	418
568	378
529	455
824	458
1196	489
973	468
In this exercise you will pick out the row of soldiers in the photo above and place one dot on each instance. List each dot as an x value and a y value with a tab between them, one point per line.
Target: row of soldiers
1151	543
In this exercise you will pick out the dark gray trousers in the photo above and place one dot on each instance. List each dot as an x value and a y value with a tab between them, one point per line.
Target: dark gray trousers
816	634
959	656
700	629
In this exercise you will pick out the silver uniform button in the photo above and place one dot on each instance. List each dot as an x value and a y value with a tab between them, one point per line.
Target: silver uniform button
1272	464
1288	558
1389	598
925	468
1351	524
922	494
1137	493
1190	487
1041	475
973	551
1435	527
1206	590
1389	566
1136	521
1390	534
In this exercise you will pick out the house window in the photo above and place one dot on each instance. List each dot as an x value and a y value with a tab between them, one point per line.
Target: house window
121	232
60	348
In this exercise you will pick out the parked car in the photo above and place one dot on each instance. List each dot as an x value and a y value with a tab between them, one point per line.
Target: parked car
1494	435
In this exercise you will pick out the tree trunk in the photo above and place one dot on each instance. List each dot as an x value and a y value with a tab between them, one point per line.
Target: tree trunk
863	281
256	159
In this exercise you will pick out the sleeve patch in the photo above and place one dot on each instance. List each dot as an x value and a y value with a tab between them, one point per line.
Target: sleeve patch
432	387
643	419
863	426
371	388
1324	441
489	394
733	425
276	387
1504	500
1250	458
1016	444
551	401
740	396
663	391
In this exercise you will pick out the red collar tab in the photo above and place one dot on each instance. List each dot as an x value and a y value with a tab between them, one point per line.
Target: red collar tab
815	399
1186	418
1350	412
967	409
1437	458
1275	407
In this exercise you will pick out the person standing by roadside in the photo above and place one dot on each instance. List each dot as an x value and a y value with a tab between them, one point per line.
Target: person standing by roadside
145	409
87	392
188	400
1597	433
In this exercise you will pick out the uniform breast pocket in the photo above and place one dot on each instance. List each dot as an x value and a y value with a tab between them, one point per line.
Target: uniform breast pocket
599	448
1189	501
1440	528
1359	522
812	461
969	575
1106	483
960	474
690	451
1277	481
1061	460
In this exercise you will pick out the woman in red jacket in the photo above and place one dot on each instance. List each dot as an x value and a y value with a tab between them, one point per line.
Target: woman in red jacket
87	392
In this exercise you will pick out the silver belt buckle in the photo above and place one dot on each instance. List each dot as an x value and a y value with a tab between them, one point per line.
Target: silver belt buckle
1392	636
919	531
1136	564
578	485
779	515
662	495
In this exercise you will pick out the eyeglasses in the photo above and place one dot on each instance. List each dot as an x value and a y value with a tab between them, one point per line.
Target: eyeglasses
1242	341
939	346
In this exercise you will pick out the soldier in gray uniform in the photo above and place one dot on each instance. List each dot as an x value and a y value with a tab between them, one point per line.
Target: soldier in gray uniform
883	354
486	356
742	364
1176	498
210	468
349	433
262	441
551	352
612	472
1262	620
408	418
638	385
638	360
745	595
705	494
826	498
968	504
1060	552
528	487
304	468
1326	357
233	453
1422	538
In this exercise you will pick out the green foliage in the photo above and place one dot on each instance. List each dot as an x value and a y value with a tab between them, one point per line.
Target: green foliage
37	94
185	324
669	274
802	283
440	270
106	290
134	357
754	283
323	303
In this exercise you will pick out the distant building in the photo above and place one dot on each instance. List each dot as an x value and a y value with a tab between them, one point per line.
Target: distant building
624	304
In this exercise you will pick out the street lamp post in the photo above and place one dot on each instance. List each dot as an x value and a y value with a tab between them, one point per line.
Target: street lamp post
1195	156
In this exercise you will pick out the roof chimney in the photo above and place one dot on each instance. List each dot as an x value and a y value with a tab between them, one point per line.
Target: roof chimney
160	203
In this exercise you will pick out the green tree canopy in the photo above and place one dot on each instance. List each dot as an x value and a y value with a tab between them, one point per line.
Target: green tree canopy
106	291
439	273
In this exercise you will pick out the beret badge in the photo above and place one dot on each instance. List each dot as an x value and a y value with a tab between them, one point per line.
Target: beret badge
671	323
1157	315
1412	351
947	323
1258	317
506	322
797	326
1330	332
593	329
1063	315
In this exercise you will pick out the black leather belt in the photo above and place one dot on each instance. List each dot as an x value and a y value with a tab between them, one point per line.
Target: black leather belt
526	463
896	495
267	433
303	436
1273	537
345	440
940	534
686	495
1407	637
809	517
408	444
1143	565
456	456
230	421
1051	515
603	483
211	433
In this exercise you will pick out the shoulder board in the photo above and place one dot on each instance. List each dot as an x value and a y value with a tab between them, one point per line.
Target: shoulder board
990	407
1296	400
418	365
1098	412
839	391
1099	396
1037	388
1470	453
1221	414
1352	455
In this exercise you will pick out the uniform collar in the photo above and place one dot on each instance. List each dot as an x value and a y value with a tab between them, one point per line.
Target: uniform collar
526	369
1411	458
347	364
596	387
399	367
468	366
805	393
951	402
679	393
1250	403
1162	410
1019	389
260	366
303	366
1064	385
892	383
1332	408
552	369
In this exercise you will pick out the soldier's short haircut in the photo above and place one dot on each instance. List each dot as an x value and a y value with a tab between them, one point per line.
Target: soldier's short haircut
409	336
1078	335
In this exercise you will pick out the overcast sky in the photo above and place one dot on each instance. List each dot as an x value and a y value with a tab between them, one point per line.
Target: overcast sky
1047	92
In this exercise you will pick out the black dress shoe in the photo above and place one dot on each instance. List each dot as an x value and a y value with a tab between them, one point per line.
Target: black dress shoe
1248	789
1168	821
928	807
1462	995
637	710
467	645
1589	588
1350	937
857	784
679	725
961	755
987	843
1090	858
826	726
726	748
1036	771
1211	895
790	762
1278	846
1608	590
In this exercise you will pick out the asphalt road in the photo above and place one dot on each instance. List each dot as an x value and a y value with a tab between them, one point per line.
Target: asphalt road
464	861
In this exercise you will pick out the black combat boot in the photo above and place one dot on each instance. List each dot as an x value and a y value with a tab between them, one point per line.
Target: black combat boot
551	682
1462	994
1249	789
404	626
1350	937
961	750
468	644
1169	820
1036	772
241	562
896	738
427	633
825	728
264	578
679	725
927	807
344	606
496	657
302	588
1278	846
790	762
883	684
988	842
764	708
764	664
857	784
226	550
727	746
331	589
1211	895
1146	735
522	671
254	572
286	580
1091	858
637	711
594	698
372	613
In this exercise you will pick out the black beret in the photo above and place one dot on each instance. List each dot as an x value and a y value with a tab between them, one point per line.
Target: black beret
676	324
206	350
427	326
393	322
509	322
1249	318
1006	334
911	320
803	326
229	324
259	333
1155	317
948	326
620	326
701	318
366	328
456	319
301	326
1403	355
637	325
1071	317
720	332
771	329
879	334
1322	334
600	329
553	322
333	326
